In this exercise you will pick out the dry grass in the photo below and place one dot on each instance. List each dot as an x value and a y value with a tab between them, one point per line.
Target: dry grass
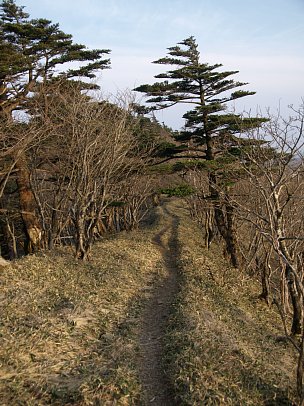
69	329
224	345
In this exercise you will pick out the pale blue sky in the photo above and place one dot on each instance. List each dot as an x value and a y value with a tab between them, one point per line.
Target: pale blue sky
263	39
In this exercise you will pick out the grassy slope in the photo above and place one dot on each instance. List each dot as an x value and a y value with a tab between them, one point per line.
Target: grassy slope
69	330
226	348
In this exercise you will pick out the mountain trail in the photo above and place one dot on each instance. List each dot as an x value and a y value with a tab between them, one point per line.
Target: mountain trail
156	388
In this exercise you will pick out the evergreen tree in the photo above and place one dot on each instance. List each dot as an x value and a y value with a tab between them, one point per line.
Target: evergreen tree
34	51
208	124
204	87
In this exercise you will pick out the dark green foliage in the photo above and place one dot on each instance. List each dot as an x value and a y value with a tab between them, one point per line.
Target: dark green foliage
32	52
161	169
209	129
206	88
153	136
147	132
165	149
117	203
180	191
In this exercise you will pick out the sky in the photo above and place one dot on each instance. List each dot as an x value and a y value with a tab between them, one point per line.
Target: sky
262	39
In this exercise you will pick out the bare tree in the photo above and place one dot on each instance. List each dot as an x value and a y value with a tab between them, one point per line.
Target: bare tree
86	162
16	140
272	209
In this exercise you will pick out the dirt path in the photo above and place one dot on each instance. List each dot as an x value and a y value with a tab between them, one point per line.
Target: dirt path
157	391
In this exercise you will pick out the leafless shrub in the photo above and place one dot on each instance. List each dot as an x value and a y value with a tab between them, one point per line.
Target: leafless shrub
85	164
269	204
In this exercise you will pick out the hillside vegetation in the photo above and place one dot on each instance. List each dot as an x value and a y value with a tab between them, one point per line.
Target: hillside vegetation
70	330
112	293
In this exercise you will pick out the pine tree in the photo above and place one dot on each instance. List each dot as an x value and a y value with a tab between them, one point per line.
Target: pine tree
208	124
204	87
33	53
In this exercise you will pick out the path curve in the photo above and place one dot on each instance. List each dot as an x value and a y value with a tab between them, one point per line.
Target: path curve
156	388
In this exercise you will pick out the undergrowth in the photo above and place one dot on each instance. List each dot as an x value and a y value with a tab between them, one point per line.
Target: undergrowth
69	329
224	345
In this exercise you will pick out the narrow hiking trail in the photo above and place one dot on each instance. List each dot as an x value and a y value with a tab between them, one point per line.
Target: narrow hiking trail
102	329
156	388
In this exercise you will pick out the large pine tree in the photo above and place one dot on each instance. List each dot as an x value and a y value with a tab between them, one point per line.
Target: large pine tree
35	52
203	87
207	90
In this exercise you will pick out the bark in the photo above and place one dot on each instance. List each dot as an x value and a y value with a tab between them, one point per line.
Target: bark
32	227
209	227
85	230
264	270
231	237
209	147
8	240
80	236
295	300
53	228
226	229
223	215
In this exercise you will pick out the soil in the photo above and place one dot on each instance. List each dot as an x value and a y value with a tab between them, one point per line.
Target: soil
156	388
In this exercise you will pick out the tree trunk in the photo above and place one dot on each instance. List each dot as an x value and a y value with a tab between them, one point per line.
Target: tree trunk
295	300
28	206
284	293
226	229
231	237
53	229
84	235
8	240
263	268
209	141
209	227
223	215
80	252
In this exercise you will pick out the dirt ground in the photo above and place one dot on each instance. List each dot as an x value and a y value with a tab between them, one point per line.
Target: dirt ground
153	319
156	387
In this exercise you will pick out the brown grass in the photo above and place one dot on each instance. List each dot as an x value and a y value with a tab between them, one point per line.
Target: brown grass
69	329
225	346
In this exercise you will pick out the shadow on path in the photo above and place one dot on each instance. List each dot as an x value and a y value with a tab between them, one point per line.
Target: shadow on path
156	388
